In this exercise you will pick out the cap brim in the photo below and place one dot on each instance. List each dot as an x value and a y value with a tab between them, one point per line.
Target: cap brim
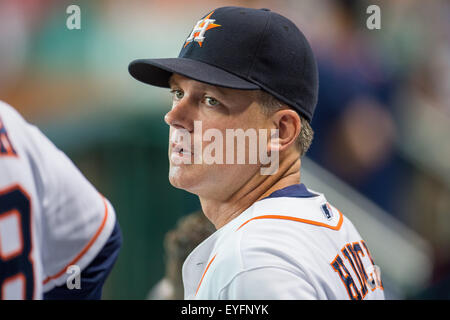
158	71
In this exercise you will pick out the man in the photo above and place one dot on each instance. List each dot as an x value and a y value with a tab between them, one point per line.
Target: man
253	71
59	237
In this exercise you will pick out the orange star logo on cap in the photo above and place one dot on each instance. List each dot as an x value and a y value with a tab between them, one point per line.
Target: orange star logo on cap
198	33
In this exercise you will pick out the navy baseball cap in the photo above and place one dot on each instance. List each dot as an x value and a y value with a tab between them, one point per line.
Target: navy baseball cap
243	48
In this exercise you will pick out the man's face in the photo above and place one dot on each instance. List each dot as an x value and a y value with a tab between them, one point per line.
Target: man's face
199	118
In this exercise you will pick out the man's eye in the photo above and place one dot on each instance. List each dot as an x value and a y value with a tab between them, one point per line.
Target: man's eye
177	94
210	101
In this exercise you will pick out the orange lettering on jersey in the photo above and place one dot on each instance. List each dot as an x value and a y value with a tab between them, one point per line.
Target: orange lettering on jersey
6	148
358	254
338	265
16	202
348	254
367	277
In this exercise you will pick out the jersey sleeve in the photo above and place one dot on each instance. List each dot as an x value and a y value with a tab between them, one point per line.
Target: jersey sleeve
268	283
76	220
94	275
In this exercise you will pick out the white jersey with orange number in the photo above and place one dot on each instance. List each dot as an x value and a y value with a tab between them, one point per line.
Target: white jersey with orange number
290	245
51	217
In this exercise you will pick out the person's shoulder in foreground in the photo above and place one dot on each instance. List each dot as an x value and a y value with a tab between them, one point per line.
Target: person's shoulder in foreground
59	236
290	245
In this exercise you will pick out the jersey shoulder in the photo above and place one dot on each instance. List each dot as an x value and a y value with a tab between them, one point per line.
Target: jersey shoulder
8	109
290	232
279	232
10	118
313	211
301	234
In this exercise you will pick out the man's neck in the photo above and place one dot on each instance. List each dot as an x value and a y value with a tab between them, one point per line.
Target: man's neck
257	188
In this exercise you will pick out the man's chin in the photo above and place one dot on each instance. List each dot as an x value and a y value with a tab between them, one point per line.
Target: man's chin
182	180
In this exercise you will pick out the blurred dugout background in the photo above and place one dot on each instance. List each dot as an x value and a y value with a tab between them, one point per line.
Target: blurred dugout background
382	123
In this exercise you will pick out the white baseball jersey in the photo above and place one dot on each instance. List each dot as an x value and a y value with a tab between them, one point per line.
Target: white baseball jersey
51	217
290	245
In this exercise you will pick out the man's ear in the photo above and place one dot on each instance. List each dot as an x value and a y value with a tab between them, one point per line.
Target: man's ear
288	125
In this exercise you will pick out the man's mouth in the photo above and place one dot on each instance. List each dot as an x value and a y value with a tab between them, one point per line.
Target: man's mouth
181	150
180	155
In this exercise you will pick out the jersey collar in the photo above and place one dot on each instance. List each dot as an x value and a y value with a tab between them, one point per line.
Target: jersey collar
293	191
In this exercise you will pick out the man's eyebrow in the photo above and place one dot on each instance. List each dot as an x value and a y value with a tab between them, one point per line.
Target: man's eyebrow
172	82
222	91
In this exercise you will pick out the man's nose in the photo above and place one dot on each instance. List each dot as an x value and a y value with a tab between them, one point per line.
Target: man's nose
180	116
